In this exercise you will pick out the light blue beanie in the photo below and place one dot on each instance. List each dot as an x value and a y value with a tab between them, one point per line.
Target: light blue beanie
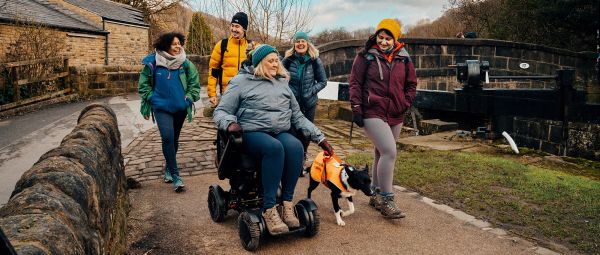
261	52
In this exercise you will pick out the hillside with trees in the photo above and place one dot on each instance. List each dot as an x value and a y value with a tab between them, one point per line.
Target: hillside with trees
567	24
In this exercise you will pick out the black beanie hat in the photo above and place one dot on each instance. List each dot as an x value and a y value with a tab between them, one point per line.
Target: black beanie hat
240	18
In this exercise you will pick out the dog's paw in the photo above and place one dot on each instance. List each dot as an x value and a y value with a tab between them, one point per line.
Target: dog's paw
341	223
346	213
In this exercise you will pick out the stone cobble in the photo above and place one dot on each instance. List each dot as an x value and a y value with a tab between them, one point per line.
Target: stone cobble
144	159
196	154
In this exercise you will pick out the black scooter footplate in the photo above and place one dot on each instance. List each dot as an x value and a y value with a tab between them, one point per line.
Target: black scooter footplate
300	229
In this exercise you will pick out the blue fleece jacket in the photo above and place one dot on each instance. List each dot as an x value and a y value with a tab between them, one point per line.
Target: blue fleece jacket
168	92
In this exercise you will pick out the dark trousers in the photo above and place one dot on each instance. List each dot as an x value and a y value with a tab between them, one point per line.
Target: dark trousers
169	126
281	161
309	113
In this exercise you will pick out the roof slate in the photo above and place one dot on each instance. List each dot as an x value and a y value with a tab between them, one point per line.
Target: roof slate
112	10
54	15
40	11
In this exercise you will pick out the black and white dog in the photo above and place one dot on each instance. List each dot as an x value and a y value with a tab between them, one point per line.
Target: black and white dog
343	182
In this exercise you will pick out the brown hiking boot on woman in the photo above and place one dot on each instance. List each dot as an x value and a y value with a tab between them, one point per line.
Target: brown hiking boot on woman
274	223
389	209
288	216
375	201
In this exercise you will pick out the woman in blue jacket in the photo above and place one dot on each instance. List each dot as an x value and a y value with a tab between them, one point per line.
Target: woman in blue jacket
307	76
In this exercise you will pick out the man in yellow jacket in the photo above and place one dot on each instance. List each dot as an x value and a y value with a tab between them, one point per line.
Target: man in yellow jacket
225	63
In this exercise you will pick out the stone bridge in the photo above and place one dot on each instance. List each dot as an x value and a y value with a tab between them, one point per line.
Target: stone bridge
433	59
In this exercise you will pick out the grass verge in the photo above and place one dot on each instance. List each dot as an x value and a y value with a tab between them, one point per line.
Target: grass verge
551	203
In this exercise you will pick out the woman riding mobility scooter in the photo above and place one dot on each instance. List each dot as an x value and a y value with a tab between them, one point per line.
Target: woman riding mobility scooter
257	152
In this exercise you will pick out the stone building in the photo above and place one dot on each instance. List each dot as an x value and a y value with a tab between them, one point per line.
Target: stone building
95	31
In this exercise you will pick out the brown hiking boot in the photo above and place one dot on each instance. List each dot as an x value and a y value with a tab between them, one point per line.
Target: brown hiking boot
273	221
375	201
389	209
288	216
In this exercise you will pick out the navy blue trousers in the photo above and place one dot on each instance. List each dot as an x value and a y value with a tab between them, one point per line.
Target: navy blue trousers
281	158
169	126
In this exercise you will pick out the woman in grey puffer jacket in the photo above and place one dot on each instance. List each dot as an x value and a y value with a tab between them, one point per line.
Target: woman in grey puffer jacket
259	106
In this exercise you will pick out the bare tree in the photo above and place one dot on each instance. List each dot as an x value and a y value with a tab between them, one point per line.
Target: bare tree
270	21
162	15
448	25
363	33
330	35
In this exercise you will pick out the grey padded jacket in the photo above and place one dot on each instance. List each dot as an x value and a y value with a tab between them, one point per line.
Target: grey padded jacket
259	104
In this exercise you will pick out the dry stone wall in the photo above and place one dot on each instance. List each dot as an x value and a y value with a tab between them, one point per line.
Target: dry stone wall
73	200
101	80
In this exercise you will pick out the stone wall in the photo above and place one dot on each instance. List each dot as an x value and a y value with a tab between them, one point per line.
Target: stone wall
73	200
433	57
84	49
547	136
201	63
127	45
101	80
10	33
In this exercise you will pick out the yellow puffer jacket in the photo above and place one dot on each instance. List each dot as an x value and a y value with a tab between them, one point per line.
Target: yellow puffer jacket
232	60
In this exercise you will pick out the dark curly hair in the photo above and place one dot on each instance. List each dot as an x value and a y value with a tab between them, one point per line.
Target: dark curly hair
373	39
163	42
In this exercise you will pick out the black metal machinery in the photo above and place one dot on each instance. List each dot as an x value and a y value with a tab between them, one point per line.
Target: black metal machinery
563	103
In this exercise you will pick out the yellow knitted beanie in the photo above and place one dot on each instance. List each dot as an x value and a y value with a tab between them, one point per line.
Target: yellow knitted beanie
390	25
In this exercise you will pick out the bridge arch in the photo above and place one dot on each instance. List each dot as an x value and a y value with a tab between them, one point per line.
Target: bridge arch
433	58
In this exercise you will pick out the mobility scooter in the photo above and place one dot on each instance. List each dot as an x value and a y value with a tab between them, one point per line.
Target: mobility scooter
245	195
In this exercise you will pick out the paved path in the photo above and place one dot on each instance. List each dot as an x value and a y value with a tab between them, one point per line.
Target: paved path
164	222
23	139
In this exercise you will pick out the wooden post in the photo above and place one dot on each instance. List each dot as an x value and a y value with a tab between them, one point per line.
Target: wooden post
67	79
14	80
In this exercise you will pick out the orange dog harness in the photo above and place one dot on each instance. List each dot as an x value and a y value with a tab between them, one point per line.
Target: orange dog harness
328	168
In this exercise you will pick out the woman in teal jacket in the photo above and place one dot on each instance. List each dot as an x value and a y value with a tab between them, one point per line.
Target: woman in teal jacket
168	87
307	77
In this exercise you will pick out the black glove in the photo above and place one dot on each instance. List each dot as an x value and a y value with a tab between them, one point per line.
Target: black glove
326	147
235	129
358	119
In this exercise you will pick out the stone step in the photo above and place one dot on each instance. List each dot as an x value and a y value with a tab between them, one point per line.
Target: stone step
432	126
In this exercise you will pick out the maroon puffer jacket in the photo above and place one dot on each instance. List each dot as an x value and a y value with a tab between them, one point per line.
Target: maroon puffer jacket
380	89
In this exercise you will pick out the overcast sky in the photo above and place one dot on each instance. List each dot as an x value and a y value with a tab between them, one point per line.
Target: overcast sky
354	14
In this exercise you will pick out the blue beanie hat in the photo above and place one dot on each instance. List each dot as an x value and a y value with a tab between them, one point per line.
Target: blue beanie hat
261	52
301	35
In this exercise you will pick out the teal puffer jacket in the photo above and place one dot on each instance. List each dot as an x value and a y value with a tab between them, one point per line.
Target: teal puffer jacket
306	85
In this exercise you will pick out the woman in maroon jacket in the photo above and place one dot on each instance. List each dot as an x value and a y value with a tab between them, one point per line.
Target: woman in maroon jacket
382	88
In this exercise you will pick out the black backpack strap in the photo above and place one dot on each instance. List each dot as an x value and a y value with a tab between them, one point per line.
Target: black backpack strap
220	77
223	48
